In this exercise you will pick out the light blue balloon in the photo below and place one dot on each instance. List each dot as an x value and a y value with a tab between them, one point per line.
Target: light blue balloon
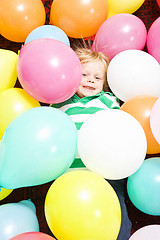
143	187
48	31
38	146
17	218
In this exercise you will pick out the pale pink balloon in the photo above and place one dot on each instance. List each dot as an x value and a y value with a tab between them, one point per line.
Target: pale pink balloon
147	233
155	120
33	236
120	32
49	70
153	43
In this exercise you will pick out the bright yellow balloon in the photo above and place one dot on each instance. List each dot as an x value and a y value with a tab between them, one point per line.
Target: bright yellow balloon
8	69
82	205
123	6
13	102
4	193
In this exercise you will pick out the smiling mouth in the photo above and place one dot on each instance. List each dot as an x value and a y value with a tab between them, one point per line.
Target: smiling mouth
89	88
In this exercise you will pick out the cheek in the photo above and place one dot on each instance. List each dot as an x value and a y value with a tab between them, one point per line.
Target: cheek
83	81
100	85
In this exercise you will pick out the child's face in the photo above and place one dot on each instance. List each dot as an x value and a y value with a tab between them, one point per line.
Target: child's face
93	77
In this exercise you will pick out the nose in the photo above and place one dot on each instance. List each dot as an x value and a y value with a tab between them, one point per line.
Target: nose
90	79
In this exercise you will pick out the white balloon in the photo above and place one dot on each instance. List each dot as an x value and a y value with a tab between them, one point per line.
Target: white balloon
112	143
150	232
132	73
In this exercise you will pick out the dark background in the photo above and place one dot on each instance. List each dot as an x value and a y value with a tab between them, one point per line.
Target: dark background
148	13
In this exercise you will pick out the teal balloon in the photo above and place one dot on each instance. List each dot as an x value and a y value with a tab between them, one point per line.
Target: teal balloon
17	218
38	146
48	31
143	187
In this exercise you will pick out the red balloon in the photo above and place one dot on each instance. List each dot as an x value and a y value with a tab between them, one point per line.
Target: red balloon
33	236
158	1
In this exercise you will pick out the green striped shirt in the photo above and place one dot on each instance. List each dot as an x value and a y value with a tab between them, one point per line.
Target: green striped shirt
79	109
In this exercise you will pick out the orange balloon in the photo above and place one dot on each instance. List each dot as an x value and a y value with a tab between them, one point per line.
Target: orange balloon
78	18
140	108
19	17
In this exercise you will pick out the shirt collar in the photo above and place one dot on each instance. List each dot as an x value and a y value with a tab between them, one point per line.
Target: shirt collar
76	98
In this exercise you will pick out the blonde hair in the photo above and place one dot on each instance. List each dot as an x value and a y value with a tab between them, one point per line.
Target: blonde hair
86	55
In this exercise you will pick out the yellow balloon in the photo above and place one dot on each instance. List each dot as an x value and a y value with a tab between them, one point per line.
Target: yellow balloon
4	193
14	101
8	69
123	6
82	205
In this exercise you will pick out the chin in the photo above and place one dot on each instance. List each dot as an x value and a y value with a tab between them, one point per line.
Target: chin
89	94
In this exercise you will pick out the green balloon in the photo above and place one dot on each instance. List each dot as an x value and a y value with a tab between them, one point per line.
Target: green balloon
143	187
38	146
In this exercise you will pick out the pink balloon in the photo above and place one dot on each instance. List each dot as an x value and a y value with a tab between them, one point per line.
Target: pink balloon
49	70
153	43
155	120
120	32
33	236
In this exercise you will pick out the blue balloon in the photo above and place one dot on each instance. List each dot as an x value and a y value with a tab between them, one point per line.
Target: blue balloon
17	218
143	187
48	31
38	146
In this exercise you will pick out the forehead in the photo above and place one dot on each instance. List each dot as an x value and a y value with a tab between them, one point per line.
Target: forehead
94	66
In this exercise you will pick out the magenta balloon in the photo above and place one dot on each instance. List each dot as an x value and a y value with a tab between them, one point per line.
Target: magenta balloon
120	32
153	43
155	120
49	70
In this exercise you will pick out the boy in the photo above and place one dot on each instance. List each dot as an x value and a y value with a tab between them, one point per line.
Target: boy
91	97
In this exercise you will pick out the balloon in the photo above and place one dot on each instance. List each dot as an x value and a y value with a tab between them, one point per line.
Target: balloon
38	146
153	45
80	21
33	236
146	233
4	193
112	143
143	187
17	218
158	1
48	31
22	17
118	33
140	108
155	120
13	102
8	69
132	73
82	205
123	6
49	70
